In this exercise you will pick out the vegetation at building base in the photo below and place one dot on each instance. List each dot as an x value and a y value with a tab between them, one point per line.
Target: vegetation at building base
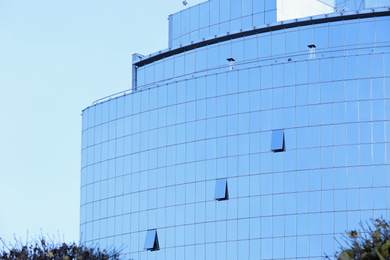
47	250
371	242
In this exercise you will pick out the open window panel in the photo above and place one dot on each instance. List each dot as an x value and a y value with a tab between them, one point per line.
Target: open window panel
221	190
151	241
277	142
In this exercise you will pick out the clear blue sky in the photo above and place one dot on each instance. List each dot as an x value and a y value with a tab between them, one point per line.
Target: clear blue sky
56	58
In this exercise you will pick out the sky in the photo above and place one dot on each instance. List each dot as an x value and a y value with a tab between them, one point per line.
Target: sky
56	58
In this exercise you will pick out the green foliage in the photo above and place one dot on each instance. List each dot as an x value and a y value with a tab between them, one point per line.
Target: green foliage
372	242
44	250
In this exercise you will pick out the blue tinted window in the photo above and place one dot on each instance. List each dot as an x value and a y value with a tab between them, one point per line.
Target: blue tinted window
151	241
221	191
277	142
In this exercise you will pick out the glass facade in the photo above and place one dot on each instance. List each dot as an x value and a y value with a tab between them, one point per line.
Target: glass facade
215	17
271	157
360	4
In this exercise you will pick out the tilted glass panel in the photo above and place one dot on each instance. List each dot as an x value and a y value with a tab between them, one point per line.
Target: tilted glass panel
277	143
221	190
151	241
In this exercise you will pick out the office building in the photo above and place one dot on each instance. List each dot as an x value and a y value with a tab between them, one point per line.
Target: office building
260	133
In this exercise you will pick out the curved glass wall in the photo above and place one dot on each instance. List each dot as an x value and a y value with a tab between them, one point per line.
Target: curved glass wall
360	4
333	39
216	17
219	16
271	158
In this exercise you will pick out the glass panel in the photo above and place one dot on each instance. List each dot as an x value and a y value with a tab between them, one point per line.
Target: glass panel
237	50
214	12
313	71
250	48
179	65
194	15
190	62
213	54
151	241
382	31
221	191
235	9
367	32
175	21
247	8
185	20
338	68
264	46
204	12
278	44
305	39
350	33
277	143
258	6
336	36
292	44
321	37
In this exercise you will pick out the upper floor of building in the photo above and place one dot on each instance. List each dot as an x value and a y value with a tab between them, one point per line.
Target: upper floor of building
215	17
